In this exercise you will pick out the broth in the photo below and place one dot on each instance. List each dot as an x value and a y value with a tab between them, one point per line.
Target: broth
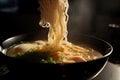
37	51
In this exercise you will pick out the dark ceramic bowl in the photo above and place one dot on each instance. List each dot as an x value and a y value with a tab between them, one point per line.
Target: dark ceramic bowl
73	71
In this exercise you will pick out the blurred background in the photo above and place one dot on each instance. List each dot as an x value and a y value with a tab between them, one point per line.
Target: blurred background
100	18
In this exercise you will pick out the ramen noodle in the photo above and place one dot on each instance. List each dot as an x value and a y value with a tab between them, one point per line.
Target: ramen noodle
57	48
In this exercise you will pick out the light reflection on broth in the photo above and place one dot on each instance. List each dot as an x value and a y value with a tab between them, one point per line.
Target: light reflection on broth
57	49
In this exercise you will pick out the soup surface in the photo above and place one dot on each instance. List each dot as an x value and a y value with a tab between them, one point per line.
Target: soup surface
39	51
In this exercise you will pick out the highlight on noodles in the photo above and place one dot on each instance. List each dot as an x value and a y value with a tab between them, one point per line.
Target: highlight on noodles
57	48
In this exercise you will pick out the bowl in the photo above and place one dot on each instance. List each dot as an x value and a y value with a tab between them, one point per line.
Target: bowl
72	71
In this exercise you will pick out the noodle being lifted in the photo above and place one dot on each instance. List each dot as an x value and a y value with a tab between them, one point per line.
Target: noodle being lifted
54	15
57	49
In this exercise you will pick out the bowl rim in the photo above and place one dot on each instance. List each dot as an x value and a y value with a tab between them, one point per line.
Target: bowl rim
110	49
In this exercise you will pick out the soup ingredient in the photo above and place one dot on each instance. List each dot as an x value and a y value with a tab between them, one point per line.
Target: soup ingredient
40	51
54	16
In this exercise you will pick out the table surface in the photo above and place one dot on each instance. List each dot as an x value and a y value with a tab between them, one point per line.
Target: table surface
110	72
